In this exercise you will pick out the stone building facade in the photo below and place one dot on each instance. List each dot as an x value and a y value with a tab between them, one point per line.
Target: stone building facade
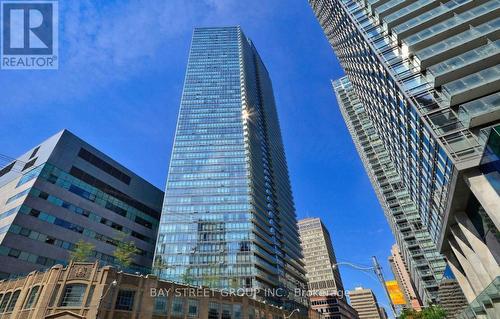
85	291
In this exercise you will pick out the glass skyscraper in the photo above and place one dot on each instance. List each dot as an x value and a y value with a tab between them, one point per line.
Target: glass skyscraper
427	75
425	264
228	219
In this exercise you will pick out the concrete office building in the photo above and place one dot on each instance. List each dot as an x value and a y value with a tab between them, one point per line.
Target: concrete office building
451	298
402	276
87	291
228	219
425	265
365	303
324	283
427	73
64	190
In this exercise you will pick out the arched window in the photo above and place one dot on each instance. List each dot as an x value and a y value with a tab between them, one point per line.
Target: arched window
13	301
73	295
32	297
5	300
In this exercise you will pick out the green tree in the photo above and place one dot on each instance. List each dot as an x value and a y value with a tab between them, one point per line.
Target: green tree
158	265
82	252
212	281
124	252
187	278
410	314
433	312
234	284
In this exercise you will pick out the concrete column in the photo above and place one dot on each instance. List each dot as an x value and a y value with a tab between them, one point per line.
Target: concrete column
25	289
97	306
472	258
146	307
485	194
492	312
474	281
482	251
460	277
496	309
203	307
46	294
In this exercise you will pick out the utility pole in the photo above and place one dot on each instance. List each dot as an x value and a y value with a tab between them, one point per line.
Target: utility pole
378	271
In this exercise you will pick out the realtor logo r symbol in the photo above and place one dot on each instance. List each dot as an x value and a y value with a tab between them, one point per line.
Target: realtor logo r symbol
29	34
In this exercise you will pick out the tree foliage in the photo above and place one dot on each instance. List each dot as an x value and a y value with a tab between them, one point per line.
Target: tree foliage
159	266
124	252
212	281
186	278
82	252
432	312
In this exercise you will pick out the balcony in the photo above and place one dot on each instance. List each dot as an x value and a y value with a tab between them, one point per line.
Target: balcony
408	12
450	27
472	86
431	17
454	67
487	303
390	7
480	111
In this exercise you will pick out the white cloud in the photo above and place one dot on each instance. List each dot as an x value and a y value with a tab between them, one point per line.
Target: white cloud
104	42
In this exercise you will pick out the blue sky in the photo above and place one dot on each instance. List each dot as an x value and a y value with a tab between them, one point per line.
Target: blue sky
119	82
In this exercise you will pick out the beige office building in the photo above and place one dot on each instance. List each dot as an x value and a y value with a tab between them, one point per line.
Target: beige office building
402	276
451	298
365	303
325	286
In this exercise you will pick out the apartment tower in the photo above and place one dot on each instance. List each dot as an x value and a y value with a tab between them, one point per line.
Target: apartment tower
426	266
427	74
228	218
402	276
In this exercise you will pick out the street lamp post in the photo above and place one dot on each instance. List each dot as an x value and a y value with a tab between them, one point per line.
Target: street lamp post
111	285
291	313
377	269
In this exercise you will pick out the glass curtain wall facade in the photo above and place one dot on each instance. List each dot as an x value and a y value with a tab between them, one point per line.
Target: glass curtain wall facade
64	191
428	74
425	264
228	219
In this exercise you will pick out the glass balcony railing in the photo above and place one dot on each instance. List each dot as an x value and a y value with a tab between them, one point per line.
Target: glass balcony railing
466	58
436	12
483	135
461	19
476	108
483	304
388	5
407	10
470	83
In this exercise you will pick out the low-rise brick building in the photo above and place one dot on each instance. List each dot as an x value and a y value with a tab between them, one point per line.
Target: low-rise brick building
85	291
